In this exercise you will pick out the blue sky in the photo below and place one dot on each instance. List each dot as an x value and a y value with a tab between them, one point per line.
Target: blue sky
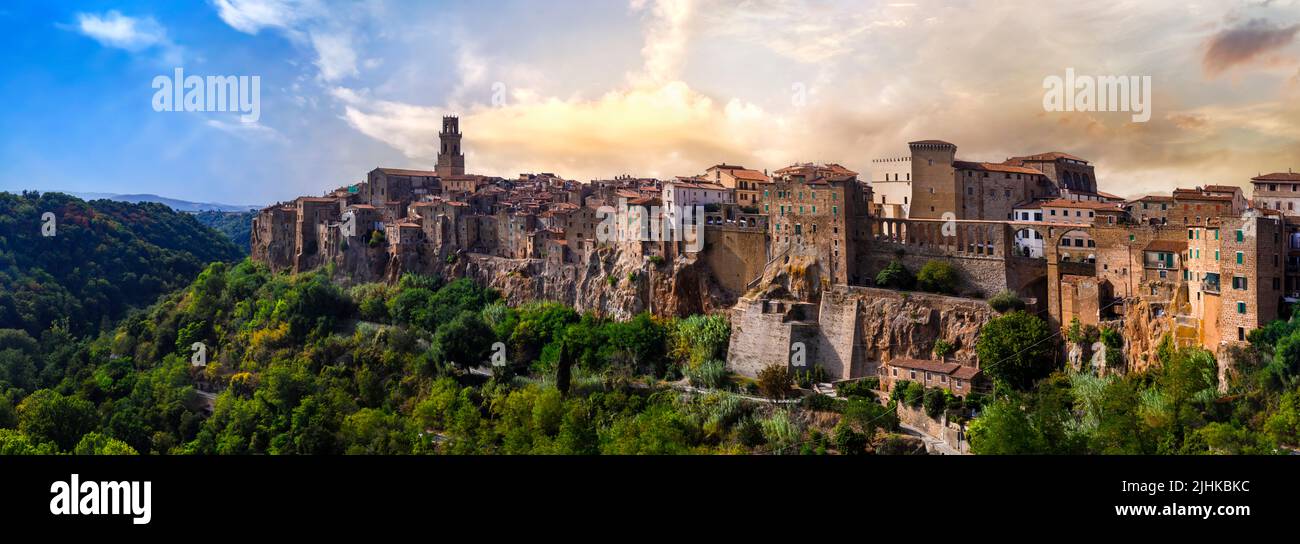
651	87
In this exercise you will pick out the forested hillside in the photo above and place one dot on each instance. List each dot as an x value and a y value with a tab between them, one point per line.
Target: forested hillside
299	365
237	226
102	258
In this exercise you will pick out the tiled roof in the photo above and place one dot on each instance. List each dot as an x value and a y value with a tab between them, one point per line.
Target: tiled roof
1277	176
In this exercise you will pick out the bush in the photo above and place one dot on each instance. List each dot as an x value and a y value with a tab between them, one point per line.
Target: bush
1006	301
936	400
710	374
895	276
377	238
806	377
774	381
862	389
656	260
818	402
908	393
848	441
943	348
938	277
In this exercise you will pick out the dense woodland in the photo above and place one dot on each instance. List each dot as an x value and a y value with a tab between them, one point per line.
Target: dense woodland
237	226
104	258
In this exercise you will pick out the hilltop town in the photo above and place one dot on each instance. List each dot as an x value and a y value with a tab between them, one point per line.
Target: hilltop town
793	254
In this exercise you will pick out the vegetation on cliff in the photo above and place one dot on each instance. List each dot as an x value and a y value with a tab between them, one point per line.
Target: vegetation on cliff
299	365
1176	407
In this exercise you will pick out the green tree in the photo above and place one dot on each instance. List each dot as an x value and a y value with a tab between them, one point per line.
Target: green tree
895	276
938	277
1015	350
464	342
97	444
47	415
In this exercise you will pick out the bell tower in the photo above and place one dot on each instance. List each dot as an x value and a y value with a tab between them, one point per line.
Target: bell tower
451	162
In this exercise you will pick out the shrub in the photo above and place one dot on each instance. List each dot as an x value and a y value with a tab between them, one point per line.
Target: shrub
908	392
656	260
863	389
895	276
848	441
943	348
938	277
936	400
1006	301
806	377
774	381
818	402
377	238
710	374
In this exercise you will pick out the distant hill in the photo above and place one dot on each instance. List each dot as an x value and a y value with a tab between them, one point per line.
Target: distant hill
104	258
175	204
237	226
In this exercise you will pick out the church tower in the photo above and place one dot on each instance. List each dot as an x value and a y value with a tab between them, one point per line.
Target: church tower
451	162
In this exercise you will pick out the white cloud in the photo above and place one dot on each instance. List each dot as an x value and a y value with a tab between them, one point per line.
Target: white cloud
133	34
327	31
251	16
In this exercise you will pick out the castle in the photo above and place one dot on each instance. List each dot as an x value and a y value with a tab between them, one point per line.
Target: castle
793	253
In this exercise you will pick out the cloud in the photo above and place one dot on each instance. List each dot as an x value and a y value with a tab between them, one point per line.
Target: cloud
251	16
133	34
1244	44
308	23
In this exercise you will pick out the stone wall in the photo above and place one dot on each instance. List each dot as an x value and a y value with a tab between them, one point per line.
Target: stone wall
854	329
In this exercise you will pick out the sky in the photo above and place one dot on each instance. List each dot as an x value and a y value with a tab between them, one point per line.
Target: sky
595	89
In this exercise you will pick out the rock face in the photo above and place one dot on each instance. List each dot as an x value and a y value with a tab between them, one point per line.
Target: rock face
851	330
1143	326
612	282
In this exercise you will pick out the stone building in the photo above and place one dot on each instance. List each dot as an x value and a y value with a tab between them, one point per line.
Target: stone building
1277	191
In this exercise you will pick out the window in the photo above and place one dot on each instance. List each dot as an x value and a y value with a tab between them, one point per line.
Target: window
1241	334
1240	236
912	374
1241	307
1239	283
1241	258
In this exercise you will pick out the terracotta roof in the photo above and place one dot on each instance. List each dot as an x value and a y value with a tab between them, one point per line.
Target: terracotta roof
1161	198
1222	188
952	369
750	175
725	166
1277	176
1109	196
